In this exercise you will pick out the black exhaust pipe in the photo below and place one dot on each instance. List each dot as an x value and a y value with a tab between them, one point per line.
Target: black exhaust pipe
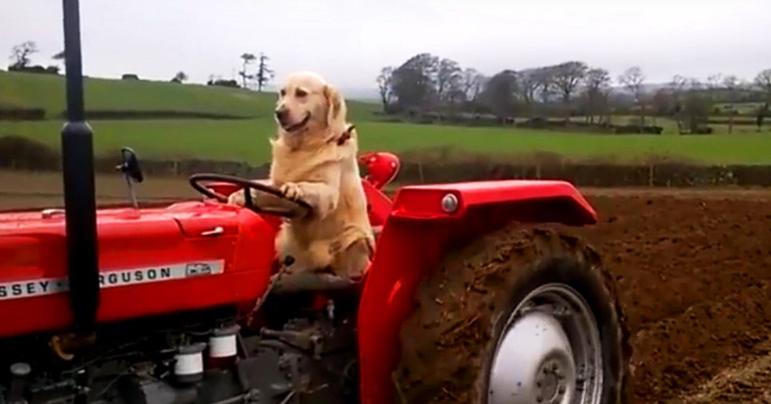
79	194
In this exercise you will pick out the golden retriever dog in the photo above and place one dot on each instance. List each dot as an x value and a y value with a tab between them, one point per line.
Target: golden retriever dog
314	160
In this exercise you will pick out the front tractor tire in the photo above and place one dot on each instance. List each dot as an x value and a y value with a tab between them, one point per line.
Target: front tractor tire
522	315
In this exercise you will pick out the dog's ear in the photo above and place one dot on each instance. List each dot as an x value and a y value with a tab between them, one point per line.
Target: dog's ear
336	107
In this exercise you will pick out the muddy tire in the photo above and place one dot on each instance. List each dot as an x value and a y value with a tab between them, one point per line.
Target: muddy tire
469	330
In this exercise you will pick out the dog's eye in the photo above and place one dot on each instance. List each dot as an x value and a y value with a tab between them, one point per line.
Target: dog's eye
282	92
300	93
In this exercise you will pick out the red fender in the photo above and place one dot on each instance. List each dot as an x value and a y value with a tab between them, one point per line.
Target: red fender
416	236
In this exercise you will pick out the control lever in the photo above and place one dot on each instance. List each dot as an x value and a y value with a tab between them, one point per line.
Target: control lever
132	172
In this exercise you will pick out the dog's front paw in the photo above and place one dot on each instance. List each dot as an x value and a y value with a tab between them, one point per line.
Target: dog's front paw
236	198
292	191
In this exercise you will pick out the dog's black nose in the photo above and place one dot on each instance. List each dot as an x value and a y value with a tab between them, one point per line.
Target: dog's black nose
281	115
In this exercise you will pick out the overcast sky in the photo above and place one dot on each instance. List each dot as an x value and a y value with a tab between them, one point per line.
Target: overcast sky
348	41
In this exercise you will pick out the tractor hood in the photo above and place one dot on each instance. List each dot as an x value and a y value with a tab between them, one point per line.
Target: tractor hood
187	218
185	256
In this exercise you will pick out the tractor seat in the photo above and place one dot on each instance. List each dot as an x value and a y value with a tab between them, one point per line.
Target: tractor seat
314	281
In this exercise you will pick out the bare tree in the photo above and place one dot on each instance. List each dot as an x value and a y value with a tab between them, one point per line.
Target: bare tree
528	87
384	85
678	83
473	83
597	83
544	76
248	58
715	81
633	80
763	81
762	113
692	104
597	79
20	54
696	107
567	77
695	84
449	77
264	72
663	102
499	94
676	87
731	84
414	82
180	77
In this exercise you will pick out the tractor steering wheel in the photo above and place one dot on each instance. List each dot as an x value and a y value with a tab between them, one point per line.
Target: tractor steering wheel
292	209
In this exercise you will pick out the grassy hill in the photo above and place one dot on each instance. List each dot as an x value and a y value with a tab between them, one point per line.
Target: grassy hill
47	92
246	139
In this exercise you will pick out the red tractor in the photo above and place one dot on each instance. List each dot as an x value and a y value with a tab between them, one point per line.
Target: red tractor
470	296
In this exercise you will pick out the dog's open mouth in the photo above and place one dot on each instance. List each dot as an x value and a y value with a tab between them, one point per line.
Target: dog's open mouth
299	125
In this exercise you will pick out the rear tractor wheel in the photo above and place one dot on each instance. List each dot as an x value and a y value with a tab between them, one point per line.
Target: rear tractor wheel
522	315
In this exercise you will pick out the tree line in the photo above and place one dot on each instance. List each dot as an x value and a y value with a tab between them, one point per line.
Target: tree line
426	83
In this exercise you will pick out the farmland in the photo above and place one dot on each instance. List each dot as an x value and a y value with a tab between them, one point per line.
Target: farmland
600	231
691	267
245	138
692	273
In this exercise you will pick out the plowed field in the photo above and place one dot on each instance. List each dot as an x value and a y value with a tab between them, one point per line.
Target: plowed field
694	276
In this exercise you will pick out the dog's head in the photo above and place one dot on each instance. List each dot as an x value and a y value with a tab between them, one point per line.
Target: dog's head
308	105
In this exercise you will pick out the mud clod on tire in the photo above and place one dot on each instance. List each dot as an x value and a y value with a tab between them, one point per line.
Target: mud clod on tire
461	308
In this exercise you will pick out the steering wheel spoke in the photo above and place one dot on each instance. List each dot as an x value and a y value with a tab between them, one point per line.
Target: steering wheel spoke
295	208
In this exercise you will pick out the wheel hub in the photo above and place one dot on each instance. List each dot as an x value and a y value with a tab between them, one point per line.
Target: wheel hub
533	363
549	352
551	383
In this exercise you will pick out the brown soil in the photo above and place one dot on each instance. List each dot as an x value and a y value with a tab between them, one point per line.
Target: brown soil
747	381
693	272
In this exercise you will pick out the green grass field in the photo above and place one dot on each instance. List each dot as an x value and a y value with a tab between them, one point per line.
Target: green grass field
246	139
47	92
